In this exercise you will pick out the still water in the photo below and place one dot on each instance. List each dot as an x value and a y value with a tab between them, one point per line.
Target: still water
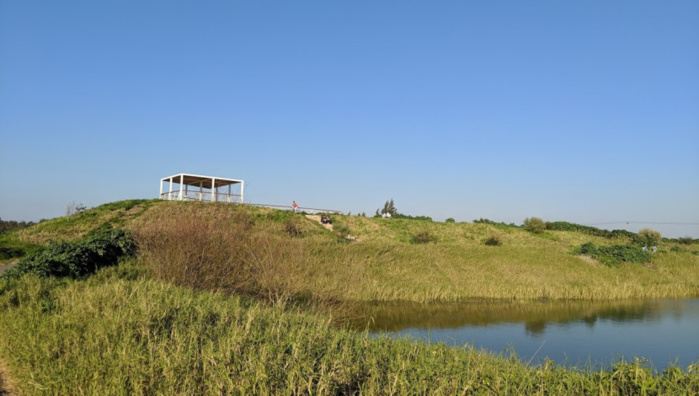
583	334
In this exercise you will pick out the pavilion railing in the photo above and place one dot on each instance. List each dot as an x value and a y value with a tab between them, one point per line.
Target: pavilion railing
203	196
206	196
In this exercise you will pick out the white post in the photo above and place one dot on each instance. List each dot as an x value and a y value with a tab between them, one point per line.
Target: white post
213	189
181	185
201	191
169	194
242	186
161	189
229	193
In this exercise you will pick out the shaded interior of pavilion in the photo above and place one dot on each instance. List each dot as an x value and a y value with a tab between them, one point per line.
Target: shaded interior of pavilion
189	187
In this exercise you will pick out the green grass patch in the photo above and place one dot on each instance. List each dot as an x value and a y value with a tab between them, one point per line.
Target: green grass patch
614	255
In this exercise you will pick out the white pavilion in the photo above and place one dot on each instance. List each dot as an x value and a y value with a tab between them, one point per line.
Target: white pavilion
188	187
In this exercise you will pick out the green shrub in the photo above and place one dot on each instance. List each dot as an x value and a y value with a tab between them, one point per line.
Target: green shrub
450	220
493	241
565	226
423	237
685	240
293	227
534	224
77	259
648	237
341	230
491	222
614	255
10	252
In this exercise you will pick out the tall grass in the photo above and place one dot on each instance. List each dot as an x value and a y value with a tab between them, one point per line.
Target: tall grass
111	335
243	250
226	251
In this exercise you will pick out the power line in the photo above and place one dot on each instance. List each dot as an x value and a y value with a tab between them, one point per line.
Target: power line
645	222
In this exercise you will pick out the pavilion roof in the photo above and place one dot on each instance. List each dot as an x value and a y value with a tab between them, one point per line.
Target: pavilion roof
206	181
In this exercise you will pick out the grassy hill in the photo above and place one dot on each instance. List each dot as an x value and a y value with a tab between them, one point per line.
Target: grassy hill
292	255
225	299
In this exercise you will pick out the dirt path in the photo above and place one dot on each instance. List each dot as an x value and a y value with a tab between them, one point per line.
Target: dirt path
317	218
329	226
5	267
4	386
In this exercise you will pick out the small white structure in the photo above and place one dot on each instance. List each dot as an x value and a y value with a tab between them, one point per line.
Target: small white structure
187	187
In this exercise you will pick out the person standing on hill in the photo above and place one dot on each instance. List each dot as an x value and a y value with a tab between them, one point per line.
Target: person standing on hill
295	207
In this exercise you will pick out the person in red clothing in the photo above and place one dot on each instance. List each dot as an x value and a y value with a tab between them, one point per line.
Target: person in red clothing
295	207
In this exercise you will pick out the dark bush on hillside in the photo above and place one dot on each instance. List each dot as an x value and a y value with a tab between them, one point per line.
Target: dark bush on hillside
10	252
77	259
648	237
686	240
293	227
493	241
341	230
534	224
614	255
450	220
491	222
9	225
565	226
408	217
423	237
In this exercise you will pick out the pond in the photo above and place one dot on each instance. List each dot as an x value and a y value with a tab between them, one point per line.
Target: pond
582	334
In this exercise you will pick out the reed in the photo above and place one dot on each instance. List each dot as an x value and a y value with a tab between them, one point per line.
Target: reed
249	250
113	335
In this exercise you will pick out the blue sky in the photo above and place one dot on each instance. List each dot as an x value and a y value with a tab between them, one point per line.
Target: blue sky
579	111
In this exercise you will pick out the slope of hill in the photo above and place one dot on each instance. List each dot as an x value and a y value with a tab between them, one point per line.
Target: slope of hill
391	262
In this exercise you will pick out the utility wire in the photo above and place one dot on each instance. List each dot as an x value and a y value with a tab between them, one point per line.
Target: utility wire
644	222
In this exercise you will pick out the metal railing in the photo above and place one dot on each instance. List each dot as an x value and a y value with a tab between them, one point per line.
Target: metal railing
206	196
203	196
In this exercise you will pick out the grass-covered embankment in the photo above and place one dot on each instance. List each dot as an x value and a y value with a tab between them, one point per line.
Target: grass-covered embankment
230	299
203	246
121	333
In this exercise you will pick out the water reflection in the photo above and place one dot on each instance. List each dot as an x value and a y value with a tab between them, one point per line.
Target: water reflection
571	333
535	315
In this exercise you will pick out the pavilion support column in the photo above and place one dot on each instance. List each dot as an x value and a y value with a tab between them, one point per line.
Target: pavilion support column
229	193
201	190
169	194
213	189
181	186
161	189
242	188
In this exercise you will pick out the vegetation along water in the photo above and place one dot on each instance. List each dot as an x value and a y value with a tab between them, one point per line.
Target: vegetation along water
153	297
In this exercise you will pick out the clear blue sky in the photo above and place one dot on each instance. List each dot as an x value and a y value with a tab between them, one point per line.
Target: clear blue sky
582	111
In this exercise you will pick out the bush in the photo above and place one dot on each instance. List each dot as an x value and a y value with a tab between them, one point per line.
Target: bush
341	230
491	222
686	240
493	241
450	220
614	255
77	259
10	252
227	252
565	226
534	224
648	237
293	227
423	237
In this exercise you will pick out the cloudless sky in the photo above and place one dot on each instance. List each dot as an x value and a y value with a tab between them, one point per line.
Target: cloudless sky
578	111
